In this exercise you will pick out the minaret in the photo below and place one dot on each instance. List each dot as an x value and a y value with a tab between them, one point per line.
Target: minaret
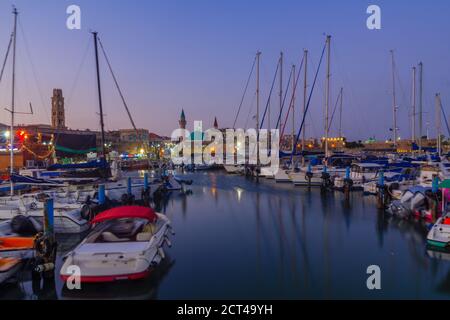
216	125
182	121
58	114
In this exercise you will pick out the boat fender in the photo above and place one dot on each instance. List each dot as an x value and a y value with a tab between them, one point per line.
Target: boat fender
169	244
161	253
44	267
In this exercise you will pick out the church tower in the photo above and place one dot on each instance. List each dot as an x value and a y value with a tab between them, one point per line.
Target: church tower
182	121
216	125
58	114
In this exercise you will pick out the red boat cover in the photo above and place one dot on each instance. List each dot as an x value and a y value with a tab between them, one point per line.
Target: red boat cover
126	212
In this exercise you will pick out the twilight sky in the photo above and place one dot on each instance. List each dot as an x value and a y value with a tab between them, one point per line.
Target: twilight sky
196	55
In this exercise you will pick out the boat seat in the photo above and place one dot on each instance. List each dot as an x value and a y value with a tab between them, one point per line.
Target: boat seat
109	237
143	236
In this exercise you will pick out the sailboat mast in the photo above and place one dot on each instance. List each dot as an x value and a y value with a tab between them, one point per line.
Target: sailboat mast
258	56
438	123
102	124
413	98
420	104
281	80
13	100
394	101
327	103
294	86
340	113
305	55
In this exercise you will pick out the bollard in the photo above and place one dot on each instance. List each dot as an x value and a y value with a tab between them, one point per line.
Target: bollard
48	217
435	185
101	194
146	181
381	197
129	186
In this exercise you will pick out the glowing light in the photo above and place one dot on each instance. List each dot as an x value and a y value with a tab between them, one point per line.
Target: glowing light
142	151
7	134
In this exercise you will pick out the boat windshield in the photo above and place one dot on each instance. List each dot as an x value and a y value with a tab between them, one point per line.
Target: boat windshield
123	230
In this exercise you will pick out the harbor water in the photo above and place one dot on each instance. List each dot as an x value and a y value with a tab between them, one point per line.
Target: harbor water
238	239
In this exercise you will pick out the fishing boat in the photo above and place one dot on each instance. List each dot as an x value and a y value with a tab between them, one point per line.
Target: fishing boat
8	268
126	243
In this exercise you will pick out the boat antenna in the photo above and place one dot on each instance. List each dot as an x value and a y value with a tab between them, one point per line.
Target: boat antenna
102	124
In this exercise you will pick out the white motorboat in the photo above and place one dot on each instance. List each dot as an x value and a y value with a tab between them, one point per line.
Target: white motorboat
282	175
439	235
360	173
233	168
301	178
126	243
269	172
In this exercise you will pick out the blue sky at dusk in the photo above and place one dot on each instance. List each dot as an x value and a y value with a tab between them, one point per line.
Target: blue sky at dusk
196	55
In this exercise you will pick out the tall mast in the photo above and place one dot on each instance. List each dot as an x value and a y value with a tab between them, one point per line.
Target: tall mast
327	95
340	113
394	101
420	104
102	124
305	55
294	86
438	122
258	56
13	100
413	103
281	80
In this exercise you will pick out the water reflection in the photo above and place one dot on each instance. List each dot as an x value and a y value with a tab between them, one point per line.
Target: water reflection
238	239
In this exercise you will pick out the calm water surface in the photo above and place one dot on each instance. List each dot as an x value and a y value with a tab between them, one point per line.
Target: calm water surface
238	239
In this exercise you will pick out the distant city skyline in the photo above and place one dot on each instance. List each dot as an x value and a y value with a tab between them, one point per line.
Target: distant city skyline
196	55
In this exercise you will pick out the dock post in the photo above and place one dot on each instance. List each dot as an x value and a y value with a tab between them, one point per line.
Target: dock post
309	175
146	181
435	198
347	183
129	186
325	177
101	194
381	196
49	217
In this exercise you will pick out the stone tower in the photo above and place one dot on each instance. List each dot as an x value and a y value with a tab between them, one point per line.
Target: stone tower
58	114
182	121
